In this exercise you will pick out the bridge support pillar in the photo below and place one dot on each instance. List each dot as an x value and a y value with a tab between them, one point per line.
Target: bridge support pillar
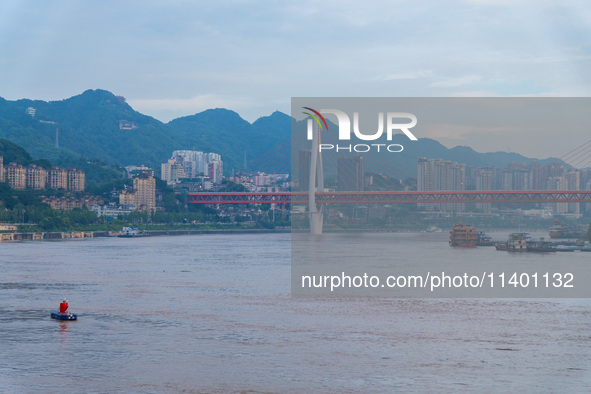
315	211
316	220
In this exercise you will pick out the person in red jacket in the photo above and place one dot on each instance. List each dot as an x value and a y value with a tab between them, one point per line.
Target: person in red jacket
64	306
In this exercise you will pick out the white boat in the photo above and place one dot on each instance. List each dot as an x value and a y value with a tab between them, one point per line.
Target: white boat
130	232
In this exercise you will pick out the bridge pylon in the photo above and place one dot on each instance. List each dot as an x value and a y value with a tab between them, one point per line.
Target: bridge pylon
315	211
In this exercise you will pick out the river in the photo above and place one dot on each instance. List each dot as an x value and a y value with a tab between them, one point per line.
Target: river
214	313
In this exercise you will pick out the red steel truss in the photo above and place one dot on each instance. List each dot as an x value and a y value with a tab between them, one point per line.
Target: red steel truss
247	198
391	197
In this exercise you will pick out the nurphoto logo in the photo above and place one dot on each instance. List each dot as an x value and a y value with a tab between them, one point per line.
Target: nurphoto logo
392	120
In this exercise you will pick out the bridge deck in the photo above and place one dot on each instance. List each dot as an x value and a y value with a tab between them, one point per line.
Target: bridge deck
393	197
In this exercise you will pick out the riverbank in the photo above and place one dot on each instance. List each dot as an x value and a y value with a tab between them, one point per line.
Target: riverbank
29	236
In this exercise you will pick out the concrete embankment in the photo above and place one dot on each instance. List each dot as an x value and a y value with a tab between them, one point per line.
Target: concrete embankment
149	233
152	233
51	235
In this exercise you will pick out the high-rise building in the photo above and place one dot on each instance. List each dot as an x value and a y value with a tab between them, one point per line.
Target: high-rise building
558	183
539	174
215	171
485	181
471	172
588	187
573	178
441	175
424	174
172	171
57	178
36	177
16	176
350	174
456	174
143	194
208	158
145	190
76	180
192	164
166	172
1	169
190	160
517	179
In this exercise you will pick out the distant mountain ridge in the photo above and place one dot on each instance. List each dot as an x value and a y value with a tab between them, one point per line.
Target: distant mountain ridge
89	124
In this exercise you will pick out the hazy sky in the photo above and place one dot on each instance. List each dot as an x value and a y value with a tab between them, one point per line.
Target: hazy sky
179	57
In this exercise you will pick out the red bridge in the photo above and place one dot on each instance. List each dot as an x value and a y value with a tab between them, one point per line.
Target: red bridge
391	197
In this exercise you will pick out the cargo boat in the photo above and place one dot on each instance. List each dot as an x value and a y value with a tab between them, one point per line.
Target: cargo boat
484	240
540	246
517	242
521	242
563	230
463	236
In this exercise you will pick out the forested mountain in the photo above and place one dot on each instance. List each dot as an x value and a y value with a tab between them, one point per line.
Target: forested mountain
100	125
89	125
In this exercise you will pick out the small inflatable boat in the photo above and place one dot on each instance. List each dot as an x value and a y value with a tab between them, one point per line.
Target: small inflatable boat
63	316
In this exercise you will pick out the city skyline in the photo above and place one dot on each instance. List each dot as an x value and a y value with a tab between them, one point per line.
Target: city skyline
435	174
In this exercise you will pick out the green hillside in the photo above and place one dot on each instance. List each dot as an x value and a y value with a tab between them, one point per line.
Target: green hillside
11	152
89	125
